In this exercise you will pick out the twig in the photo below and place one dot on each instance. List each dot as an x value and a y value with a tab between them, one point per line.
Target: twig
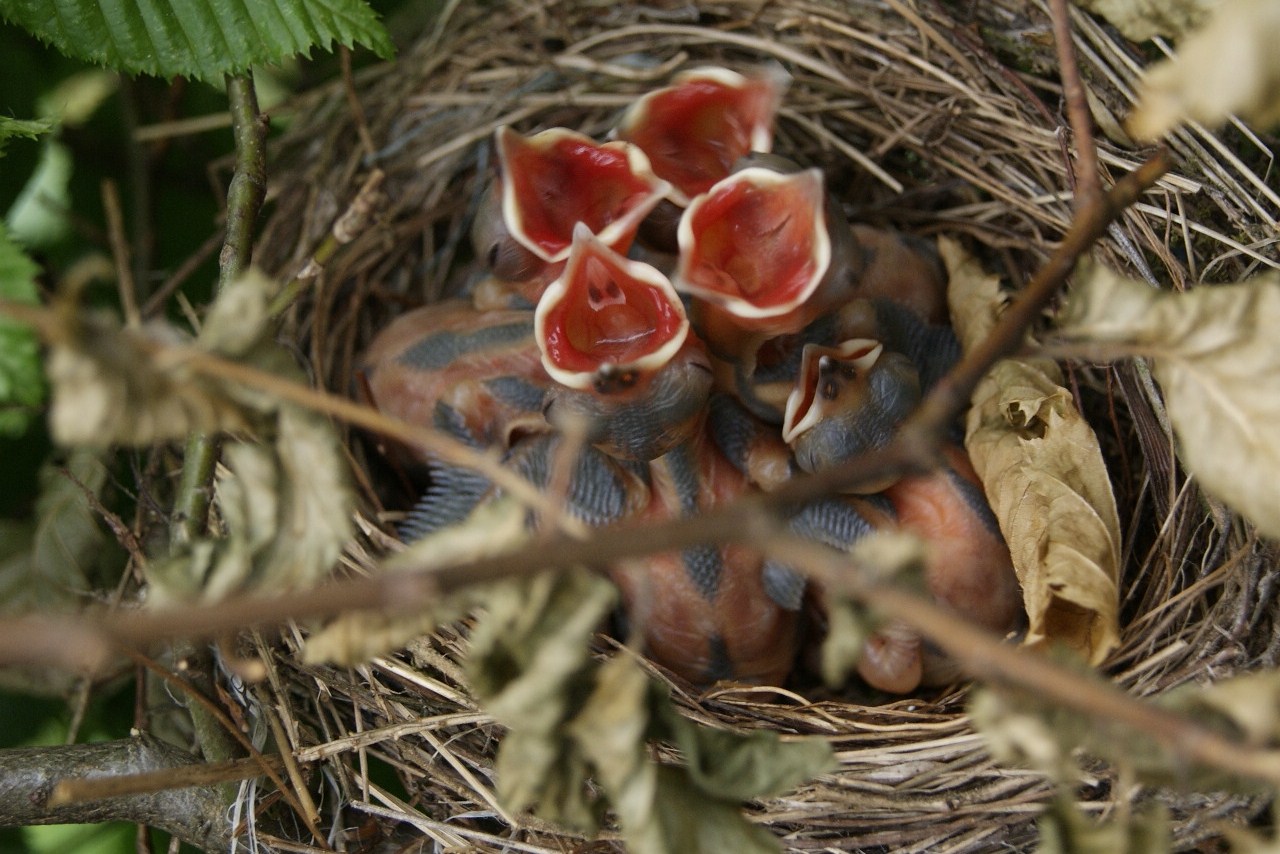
1088	178
120	252
73	790
28	774
982	655
244	199
346	228
353	101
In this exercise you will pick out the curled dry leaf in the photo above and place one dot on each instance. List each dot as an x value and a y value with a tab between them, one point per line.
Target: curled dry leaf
1043	472
495	527
1215	353
1231	66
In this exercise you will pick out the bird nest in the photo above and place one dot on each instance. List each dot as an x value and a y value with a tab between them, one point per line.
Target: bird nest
923	117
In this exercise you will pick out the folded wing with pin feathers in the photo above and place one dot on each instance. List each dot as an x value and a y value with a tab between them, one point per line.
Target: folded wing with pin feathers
807	341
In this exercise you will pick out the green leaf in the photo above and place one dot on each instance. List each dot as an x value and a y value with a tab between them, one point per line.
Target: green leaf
21	382
38	217
22	129
204	39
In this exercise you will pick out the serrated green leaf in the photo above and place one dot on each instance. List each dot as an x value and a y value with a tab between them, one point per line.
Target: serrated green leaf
11	128
21	381
204	39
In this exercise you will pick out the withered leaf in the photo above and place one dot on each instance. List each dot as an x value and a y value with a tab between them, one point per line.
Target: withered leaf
1066	829
1246	706
50	563
1042	469
1142	19
530	664
107	389
1215	353
496	526
1028	729
896	557
1230	66
286	508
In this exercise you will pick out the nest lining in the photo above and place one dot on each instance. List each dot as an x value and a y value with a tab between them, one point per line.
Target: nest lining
918	123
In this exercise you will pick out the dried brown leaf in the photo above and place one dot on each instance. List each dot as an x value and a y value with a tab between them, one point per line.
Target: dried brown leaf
1142	19
1231	66
1215	353
1043	472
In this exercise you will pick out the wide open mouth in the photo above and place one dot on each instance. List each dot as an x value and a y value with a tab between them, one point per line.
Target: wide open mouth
695	129
757	243
558	178
607	321
824	372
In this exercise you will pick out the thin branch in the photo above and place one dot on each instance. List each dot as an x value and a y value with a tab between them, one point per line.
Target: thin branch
984	656
120	252
244	199
1088	178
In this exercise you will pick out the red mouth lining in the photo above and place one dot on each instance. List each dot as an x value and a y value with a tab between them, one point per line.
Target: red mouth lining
567	182
755	244
694	132
607	316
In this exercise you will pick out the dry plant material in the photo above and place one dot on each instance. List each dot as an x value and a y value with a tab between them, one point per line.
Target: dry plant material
1043	472
48	564
1229	66
492	528
1214	352
284	499
580	730
1143	19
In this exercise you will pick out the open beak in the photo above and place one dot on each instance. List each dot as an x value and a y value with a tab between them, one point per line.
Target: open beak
696	129
848	399
828	384
756	246
607	320
557	178
614	334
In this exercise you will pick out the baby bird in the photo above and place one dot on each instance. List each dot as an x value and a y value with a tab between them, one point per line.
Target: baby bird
706	613
474	375
846	404
614	336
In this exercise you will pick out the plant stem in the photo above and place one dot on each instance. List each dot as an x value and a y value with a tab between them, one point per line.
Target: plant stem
244	199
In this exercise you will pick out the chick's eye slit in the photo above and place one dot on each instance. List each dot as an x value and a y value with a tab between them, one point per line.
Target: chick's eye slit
830	388
494	249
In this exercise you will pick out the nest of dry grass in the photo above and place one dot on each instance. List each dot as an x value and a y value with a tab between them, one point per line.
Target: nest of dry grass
932	123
